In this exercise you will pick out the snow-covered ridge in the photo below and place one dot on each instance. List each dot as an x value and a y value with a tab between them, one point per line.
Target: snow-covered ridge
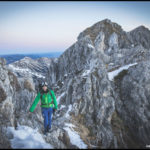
37	68
25	70
113	74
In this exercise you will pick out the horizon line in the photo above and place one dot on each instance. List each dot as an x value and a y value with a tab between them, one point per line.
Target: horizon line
31	53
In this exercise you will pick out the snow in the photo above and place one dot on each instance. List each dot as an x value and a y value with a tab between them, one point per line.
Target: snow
62	106
65	75
132	45
114	73
86	72
120	55
74	136
69	109
25	70
113	40
109	50
58	99
90	46
111	64
26	137
69	125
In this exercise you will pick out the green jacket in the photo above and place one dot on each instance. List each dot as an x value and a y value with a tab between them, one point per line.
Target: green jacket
46	101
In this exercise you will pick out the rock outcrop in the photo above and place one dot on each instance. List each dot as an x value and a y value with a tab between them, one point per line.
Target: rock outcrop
133	103
81	72
16	97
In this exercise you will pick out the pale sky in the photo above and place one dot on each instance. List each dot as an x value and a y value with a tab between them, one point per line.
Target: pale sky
34	27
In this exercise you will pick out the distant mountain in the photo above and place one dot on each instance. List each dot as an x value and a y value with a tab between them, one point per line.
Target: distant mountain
10	58
28	67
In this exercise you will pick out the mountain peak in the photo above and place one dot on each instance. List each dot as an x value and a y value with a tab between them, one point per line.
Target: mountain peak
141	35
106	26
106	20
141	28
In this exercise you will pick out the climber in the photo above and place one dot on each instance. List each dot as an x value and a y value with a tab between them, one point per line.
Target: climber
48	105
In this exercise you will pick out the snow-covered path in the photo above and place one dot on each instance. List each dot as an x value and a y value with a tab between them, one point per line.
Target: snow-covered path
26	137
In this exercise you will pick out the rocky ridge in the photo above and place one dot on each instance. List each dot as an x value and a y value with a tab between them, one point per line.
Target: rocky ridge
105	113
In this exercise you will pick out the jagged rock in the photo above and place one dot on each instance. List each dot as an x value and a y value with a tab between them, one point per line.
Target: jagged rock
28	84
2	62
87	86
95	101
6	104
133	101
108	28
15	102
14	81
140	35
54	138
81	52
3	94
99	42
4	141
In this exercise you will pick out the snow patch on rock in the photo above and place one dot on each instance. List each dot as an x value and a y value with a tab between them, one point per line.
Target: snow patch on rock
74	136
113	74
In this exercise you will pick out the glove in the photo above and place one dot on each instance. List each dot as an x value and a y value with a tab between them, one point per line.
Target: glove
30	114
54	110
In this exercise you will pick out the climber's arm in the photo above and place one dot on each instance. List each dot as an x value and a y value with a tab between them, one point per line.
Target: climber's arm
35	102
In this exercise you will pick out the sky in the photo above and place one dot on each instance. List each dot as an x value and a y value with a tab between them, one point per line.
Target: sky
35	27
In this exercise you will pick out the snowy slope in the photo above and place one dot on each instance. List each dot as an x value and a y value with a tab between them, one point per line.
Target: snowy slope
26	137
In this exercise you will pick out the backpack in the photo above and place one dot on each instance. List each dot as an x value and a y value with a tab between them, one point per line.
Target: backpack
49	91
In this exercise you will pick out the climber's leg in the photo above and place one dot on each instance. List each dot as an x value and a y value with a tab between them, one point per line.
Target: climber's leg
45	116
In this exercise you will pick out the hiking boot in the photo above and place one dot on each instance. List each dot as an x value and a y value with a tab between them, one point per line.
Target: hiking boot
49	129
45	133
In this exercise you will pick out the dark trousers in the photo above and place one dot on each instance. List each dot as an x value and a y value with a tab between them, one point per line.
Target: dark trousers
47	115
